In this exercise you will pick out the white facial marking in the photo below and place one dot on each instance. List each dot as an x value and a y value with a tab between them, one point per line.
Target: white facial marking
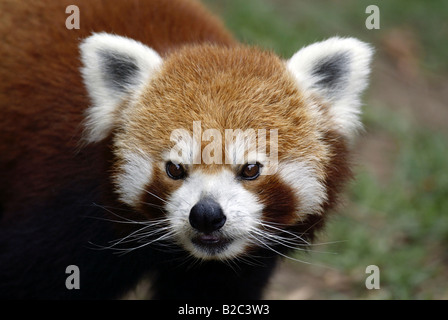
310	192
135	175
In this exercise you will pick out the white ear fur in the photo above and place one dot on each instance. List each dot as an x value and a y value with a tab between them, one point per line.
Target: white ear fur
114	68
337	70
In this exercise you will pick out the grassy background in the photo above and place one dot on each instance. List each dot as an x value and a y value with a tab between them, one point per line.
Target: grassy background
396	212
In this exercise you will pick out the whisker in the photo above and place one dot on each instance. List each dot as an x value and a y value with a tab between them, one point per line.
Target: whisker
274	239
156	196
232	264
293	244
268	239
141	237
327	242
123	251
247	259
152	194
110	207
159	225
138	237
116	242
118	221
265	245
127	250
267	225
311	226
111	212
153	205
159	228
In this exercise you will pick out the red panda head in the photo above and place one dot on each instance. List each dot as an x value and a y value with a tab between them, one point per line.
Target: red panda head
232	147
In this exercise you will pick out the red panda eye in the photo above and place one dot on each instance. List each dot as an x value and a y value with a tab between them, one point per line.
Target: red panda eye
251	171
175	171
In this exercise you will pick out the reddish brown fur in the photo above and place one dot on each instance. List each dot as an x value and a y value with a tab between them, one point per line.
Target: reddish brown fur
278	199
56	113
338	170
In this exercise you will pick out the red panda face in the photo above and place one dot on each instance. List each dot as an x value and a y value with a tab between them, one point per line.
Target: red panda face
230	147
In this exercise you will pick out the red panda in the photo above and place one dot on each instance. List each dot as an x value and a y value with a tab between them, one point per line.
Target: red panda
149	138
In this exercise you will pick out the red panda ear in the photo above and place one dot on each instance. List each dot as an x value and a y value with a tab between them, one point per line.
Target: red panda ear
337	70
114	69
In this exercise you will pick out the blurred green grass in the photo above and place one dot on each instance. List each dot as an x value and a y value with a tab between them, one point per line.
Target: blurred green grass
397	220
286	25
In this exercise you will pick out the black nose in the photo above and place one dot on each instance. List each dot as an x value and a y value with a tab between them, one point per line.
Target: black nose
207	216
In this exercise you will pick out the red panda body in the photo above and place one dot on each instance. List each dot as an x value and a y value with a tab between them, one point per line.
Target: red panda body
88	128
